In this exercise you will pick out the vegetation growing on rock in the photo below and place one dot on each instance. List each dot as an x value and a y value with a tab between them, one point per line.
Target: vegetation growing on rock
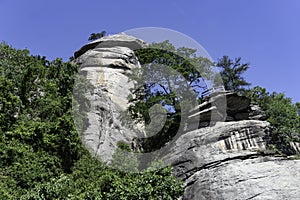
281	111
41	155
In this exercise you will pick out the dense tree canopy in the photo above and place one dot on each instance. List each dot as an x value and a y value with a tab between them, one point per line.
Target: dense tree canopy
282	115
41	155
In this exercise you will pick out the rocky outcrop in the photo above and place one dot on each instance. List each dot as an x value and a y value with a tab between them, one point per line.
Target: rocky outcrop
118	40
224	106
221	106
221	155
257	113
103	127
230	161
106	63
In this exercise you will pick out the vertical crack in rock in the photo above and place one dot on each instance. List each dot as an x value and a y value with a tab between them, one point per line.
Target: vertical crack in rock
106	63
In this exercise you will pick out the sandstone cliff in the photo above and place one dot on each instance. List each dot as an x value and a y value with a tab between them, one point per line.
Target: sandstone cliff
223	160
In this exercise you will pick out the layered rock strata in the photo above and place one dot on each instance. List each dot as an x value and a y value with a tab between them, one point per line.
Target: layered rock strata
230	161
106	63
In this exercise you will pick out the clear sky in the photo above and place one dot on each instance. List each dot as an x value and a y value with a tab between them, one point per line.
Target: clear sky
265	33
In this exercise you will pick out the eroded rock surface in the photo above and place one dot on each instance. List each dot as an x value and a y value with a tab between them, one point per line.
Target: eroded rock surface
120	40
106	63
226	161
224	106
230	161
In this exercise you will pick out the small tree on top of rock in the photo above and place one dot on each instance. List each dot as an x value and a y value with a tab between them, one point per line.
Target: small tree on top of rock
231	74
95	36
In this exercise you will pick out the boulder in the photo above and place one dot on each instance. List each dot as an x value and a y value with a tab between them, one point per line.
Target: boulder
103	126
237	104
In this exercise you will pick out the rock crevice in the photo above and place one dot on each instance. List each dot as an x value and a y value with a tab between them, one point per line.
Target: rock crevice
106	63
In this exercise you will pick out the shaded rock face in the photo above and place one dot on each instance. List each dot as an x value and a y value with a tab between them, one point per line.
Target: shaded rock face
226	162
107	62
104	128
251	178
225	106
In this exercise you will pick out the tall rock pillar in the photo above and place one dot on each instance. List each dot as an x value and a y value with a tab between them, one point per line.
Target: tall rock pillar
106	63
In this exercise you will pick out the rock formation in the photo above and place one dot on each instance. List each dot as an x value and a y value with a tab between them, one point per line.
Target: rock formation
225	106
106	63
226	159
230	161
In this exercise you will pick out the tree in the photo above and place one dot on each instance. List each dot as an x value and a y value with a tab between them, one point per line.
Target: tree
298	107
95	36
172	78
41	154
282	115
9	104
231	74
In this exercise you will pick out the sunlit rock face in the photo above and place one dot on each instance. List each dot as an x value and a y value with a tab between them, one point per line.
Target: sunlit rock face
230	161
226	159
106	63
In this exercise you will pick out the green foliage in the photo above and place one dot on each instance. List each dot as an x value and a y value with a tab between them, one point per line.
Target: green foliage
95	36
41	155
231	74
171	78
10	104
124	159
283	116
297	104
92	180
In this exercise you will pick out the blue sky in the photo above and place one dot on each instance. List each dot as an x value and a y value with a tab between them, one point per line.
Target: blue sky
265	33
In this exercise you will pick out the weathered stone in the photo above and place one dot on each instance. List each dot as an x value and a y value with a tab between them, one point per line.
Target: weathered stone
241	116
236	103
209	114
295	146
224	106
103	126
118	40
246	178
106	63
226	162
229	119
257	113
109	67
